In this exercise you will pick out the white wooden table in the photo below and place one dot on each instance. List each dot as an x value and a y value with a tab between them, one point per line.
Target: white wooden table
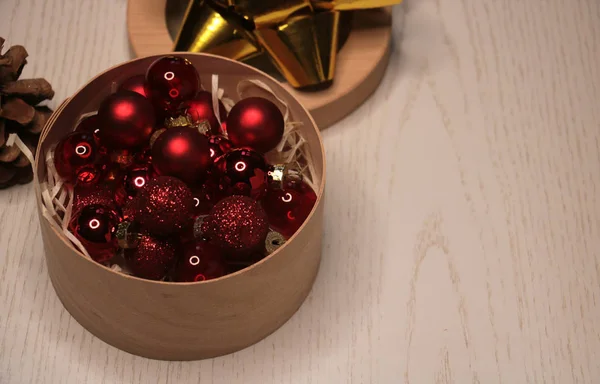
462	231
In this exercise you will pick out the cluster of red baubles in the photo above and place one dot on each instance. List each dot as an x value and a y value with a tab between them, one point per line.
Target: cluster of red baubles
185	204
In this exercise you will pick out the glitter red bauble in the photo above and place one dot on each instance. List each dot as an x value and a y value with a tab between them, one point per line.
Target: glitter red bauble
152	258
199	261
238	225
163	207
255	122
170	81
134	84
218	146
127	120
289	207
95	226
201	108
89	124
136	178
182	152
74	152
102	193
243	172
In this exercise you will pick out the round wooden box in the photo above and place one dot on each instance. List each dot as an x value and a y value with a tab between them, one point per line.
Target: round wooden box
183	321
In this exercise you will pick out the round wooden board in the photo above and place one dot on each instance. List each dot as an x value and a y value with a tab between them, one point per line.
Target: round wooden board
362	61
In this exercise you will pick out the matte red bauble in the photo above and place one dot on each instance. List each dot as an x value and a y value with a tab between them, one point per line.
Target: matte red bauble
171	81
238	225
201	108
95	226
134	84
89	124
255	122
218	145
200	261
243	172
163	207
182	152
289	207
136	178
74	152
127	120
153	257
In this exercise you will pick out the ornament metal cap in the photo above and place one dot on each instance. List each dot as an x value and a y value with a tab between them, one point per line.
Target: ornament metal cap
128	236
274	241
304	49
281	174
206	28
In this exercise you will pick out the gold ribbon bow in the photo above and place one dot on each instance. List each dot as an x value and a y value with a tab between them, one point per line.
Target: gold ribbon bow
300	37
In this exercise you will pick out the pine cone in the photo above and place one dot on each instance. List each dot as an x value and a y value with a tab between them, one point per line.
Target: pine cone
20	114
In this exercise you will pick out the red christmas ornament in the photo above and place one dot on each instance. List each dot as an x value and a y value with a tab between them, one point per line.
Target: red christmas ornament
200	261
238	225
89	124
289	207
255	122
182	152
134	84
127	120
201	108
109	195
243	172
152	258
218	146
163	207
74	152
129	209
95	226
170	81
136	178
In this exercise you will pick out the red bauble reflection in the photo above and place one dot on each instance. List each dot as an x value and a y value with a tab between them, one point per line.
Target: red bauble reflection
95	226
255	122
127	120
170	81
238	225
153	257
182	152
89	124
136	178
134	84
219	145
163	207
201	108
200	261
243	172
289	207
74	152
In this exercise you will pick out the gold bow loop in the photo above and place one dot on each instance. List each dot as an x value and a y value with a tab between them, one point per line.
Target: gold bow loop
300	37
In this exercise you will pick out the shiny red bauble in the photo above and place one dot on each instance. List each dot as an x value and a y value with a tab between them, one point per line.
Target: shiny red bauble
171	81
182	152
255	122
95	226
289	207
163	207
199	261
74	152
136	177
152	258
134	84
238	225
127	120
200	108
89	124
218	146
243	172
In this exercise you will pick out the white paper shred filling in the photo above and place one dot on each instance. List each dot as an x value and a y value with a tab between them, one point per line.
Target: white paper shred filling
56	197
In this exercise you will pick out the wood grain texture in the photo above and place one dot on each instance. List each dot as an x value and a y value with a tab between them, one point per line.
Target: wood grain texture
462	221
